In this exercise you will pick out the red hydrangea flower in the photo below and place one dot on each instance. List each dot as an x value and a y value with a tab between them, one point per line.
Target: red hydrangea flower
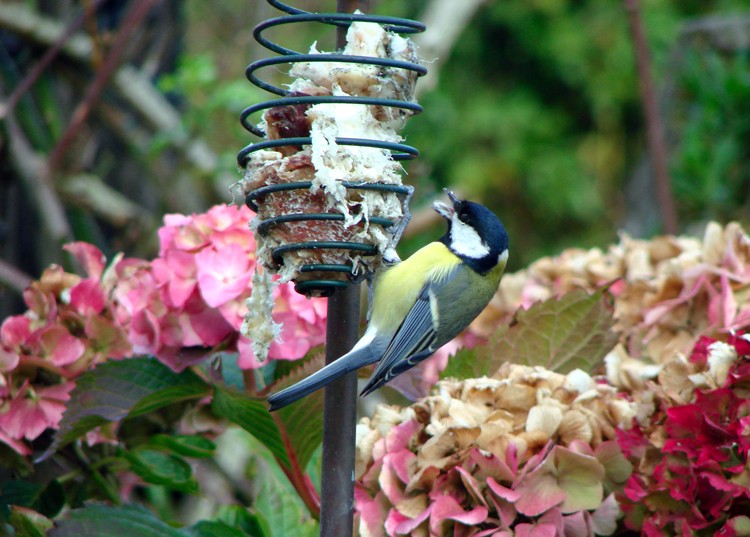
694	473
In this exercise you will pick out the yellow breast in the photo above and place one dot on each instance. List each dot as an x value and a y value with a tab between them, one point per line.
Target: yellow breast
396	288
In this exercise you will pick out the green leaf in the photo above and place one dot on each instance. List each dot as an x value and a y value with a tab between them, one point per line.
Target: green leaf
239	517
560	334
315	467
281	510
572	332
47	499
302	421
467	364
161	468
231	372
214	528
118	389
253	416
185	445
104	521
293	433
28	523
290	368
21	493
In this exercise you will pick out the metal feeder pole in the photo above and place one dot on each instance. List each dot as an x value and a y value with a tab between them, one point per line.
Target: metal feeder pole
340	397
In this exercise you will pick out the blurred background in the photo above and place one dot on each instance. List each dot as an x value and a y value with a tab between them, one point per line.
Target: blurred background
115	112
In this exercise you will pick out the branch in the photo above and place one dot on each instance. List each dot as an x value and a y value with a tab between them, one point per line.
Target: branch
654	127
134	17
90	192
26	22
130	83
13	277
33	173
48	57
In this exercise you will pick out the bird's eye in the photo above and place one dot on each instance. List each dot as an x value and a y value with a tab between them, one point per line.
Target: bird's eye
463	217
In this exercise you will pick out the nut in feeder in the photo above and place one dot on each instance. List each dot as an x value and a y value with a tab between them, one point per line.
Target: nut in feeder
326	182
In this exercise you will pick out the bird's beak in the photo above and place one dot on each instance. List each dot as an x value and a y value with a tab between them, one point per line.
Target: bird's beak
445	210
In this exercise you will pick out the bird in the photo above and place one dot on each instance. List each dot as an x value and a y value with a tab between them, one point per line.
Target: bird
423	302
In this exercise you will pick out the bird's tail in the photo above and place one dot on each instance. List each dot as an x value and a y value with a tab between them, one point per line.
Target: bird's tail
351	361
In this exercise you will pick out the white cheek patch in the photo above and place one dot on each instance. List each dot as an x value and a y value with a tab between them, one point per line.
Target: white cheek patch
502	259
465	241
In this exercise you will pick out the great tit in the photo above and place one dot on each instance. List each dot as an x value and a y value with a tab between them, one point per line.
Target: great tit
422	303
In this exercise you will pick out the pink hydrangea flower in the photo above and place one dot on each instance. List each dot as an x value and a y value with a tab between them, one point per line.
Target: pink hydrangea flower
32	410
468	491
203	275
69	327
224	274
177	307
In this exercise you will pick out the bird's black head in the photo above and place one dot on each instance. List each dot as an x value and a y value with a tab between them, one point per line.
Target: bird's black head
474	233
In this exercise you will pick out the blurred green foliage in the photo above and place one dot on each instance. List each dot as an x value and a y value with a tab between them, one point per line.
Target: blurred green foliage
711	168
209	100
537	113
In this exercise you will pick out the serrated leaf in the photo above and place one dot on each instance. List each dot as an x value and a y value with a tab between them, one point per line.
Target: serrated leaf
572	332
253	416
170	395
22	493
105	521
159	468
123	388
288	368
560	334
185	445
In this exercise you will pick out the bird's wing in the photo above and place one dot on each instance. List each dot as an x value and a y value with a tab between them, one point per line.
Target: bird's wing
415	336
443	309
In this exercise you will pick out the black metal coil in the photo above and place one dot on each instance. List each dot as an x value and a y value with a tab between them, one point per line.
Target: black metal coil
399	151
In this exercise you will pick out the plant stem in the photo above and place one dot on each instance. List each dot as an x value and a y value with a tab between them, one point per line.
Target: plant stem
654	127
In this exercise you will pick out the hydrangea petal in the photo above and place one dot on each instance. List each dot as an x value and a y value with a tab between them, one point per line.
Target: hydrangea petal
33	410
539	490
15	330
58	345
604	518
89	256
17	445
535	530
372	513
88	297
580	476
222	275
397	523
503	492
447	508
